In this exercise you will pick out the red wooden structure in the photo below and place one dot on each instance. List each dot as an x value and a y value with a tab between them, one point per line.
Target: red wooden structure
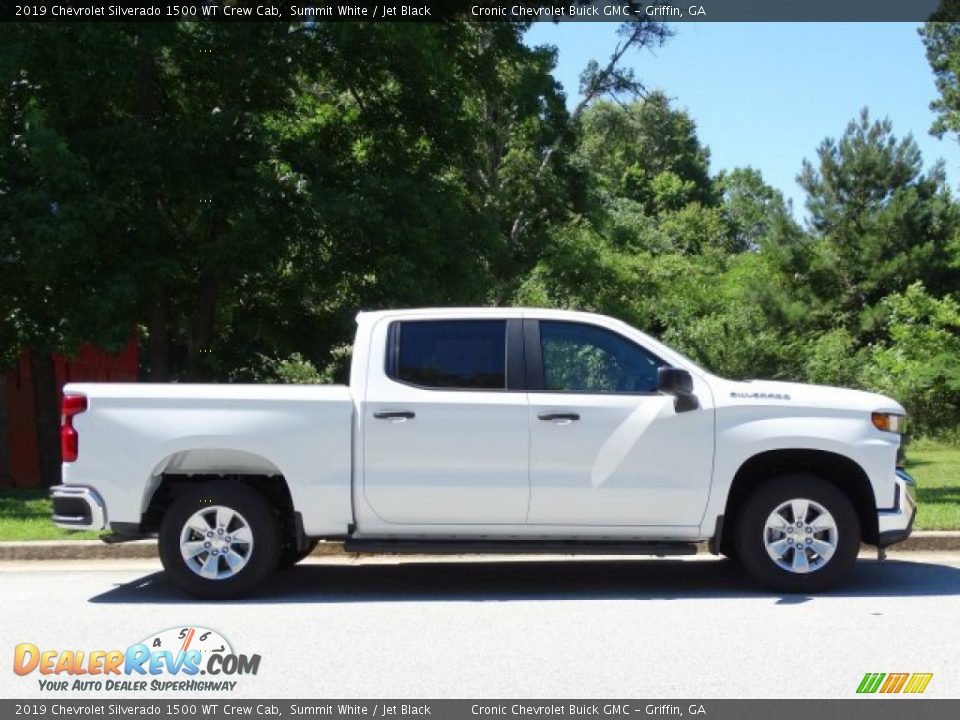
19	461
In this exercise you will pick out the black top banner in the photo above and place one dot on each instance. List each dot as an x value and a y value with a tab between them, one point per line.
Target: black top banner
314	11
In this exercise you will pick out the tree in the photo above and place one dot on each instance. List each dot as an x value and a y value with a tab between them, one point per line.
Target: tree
647	151
596	82
59	239
879	222
752	207
918	360
941	38
237	191
518	117
581	270
159	154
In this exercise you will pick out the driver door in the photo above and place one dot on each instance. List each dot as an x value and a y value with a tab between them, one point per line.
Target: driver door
606	448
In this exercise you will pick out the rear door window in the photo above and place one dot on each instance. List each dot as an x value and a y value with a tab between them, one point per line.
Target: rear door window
450	354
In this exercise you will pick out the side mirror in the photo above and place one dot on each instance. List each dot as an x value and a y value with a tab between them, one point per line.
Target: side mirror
674	381
679	383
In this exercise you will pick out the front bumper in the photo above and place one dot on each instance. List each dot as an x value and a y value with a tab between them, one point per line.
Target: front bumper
896	523
76	507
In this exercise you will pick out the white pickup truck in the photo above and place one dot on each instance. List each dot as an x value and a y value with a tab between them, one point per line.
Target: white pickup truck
489	430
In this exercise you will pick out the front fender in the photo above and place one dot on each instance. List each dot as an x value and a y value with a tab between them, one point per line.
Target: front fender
745	432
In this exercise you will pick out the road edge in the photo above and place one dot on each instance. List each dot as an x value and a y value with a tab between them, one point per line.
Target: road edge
919	541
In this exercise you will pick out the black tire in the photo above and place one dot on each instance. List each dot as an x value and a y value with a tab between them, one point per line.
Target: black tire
730	553
263	555
290	556
751	534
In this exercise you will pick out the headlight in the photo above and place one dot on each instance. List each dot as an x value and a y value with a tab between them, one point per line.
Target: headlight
889	422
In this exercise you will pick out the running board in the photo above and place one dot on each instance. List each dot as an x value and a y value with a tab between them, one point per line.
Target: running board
514	547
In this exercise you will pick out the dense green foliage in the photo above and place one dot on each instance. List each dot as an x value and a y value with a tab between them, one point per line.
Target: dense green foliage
233	193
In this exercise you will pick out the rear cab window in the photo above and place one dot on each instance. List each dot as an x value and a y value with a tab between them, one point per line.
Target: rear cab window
449	354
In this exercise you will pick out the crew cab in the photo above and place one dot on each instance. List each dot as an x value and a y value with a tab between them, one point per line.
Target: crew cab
489	430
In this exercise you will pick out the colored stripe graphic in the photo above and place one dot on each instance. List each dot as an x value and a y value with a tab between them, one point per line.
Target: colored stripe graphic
918	683
894	683
870	682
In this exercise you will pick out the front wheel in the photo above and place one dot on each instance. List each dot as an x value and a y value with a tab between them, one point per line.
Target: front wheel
290	556
798	533
219	539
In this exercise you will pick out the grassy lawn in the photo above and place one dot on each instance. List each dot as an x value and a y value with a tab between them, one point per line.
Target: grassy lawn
25	514
936	468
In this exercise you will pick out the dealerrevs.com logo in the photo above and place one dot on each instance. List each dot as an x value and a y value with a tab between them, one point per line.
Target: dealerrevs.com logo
183	659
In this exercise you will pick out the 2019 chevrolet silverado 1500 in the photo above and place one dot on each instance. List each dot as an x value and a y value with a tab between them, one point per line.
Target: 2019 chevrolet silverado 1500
489	430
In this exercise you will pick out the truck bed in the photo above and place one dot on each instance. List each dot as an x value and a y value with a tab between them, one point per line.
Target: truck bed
133	433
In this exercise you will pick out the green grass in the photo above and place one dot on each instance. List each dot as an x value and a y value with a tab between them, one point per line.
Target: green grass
25	514
936	468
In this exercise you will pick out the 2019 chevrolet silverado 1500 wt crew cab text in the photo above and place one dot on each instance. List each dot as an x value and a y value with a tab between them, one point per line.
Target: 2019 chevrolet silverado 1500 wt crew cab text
489	430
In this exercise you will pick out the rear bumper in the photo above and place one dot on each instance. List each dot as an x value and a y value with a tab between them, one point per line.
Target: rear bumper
76	507
896	523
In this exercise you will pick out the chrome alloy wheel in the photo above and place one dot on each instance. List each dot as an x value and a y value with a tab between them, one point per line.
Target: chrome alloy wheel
216	542
800	536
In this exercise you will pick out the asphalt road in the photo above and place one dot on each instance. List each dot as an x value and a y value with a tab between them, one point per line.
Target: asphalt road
691	628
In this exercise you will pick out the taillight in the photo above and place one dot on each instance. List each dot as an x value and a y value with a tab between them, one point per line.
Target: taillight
69	440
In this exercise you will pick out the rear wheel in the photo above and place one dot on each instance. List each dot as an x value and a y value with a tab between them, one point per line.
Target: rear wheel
219	540
798	533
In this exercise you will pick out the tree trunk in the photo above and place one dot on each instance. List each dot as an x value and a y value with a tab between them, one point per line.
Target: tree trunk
47	407
158	346
5	479
148	109
204	321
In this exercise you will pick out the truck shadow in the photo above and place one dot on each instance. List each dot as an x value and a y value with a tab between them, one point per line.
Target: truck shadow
645	579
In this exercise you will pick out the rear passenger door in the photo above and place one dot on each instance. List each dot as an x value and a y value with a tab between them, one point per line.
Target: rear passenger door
446	435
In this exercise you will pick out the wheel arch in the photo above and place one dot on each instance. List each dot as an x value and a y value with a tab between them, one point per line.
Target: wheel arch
846	474
185	469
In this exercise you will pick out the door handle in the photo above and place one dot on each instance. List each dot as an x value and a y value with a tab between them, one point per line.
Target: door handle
394	415
554	417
